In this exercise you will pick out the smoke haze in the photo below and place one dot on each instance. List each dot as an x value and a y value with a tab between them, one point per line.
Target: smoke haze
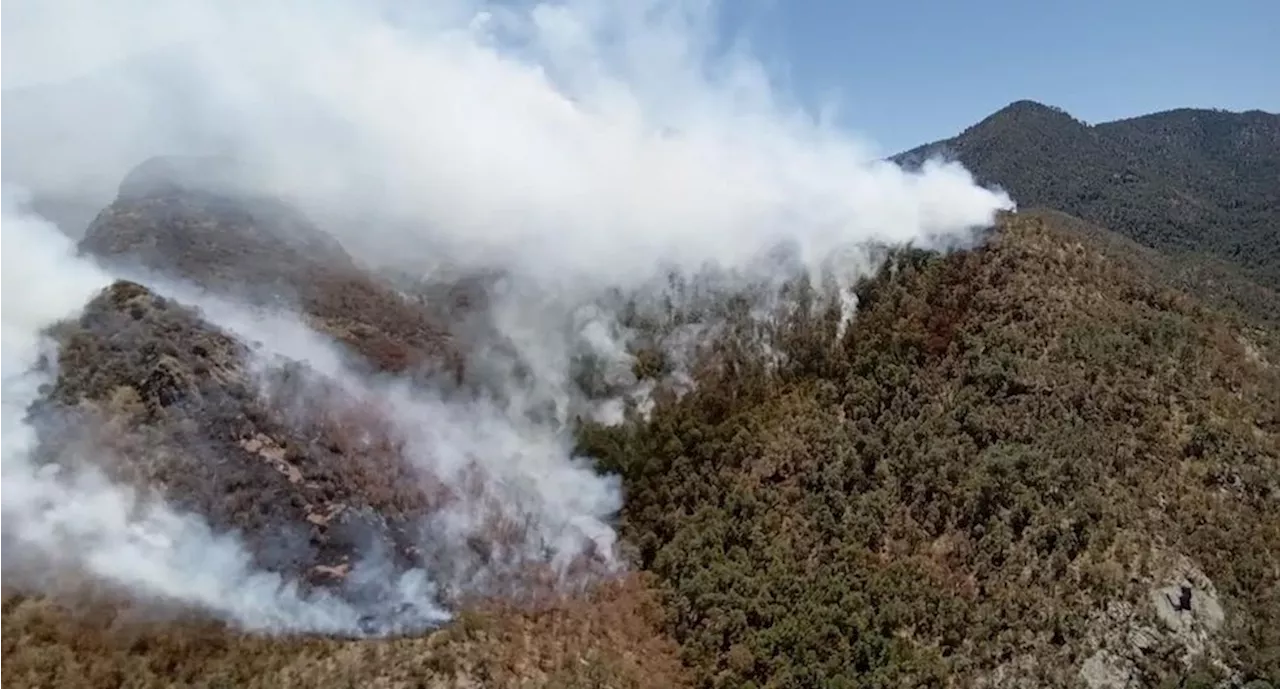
61	512
574	137
580	150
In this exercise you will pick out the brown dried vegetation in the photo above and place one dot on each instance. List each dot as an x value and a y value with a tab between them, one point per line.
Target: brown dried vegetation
606	638
167	400
265	251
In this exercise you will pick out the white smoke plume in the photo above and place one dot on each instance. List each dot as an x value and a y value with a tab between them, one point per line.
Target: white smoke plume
580	149
528	464
579	139
71	515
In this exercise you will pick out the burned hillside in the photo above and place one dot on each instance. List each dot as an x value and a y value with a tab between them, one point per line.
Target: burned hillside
316	471
170	403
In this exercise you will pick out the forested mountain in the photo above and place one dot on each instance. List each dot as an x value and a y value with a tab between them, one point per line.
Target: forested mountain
994	477
1204	182
1052	459
1031	464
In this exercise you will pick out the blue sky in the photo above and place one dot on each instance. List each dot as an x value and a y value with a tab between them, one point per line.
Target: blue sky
912	71
906	72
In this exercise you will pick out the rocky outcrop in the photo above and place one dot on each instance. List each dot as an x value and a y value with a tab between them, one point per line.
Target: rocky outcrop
1179	624
168	403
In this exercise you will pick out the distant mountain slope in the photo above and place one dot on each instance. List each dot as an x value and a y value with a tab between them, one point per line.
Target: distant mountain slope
1198	181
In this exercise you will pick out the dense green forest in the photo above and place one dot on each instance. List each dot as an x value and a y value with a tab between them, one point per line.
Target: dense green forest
1006	445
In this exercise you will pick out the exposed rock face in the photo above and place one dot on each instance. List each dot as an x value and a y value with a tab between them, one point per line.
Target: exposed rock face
1180	624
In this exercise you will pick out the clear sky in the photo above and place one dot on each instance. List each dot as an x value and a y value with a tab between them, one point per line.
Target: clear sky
911	71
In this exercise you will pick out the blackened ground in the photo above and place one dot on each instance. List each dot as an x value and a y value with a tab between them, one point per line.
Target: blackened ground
166	398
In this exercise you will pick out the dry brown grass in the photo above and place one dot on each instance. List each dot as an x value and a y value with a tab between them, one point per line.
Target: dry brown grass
607	638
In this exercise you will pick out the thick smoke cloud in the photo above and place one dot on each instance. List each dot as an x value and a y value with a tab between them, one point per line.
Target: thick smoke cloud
65	514
582	139
579	149
529	472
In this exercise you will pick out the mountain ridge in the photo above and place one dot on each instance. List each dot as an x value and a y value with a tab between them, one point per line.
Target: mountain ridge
1188	181
1030	362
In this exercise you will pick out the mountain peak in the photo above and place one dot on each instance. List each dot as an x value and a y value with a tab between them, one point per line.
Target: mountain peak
1026	111
1028	105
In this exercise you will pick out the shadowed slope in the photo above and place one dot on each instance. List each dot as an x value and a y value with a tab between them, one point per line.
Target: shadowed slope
187	219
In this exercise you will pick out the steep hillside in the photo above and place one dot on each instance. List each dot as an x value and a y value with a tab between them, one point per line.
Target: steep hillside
1190	181
1033	463
173	400
312	465
1004	473
182	219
